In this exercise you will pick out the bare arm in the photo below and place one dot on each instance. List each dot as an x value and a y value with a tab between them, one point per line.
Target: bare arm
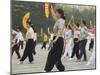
53	13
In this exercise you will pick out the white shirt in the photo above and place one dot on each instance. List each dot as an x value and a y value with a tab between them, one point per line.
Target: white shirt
68	34
76	33
18	37
14	32
35	36
29	33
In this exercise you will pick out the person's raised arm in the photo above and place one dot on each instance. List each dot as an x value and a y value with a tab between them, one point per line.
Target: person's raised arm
53	13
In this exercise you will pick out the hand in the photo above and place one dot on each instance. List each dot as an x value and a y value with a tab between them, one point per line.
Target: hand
51	6
54	41
17	44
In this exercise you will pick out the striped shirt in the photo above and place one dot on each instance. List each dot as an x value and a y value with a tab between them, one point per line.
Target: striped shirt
59	25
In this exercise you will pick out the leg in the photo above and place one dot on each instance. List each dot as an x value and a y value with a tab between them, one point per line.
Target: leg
54	55
13	49
81	49
34	48
60	66
43	45
30	56
65	51
85	57
69	49
91	44
50	61
24	56
73	52
84	51
21	44
77	50
18	54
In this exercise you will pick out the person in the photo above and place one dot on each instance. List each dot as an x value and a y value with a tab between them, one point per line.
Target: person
45	40
54	55
29	45
92	57
76	41
83	41
92	31
18	41
67	37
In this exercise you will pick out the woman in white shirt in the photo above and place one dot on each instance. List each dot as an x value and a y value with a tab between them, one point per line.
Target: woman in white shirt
29	45
18	41
67	37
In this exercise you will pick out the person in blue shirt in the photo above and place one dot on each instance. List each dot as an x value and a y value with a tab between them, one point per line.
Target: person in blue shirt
83	41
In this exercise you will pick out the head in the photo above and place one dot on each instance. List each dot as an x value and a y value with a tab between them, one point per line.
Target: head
60	14
83	23
28	23
18	29
68	27
65	26
76	25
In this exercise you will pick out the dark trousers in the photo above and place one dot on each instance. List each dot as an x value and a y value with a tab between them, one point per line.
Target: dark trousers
75	49
54	56
34	45
91	44
44	45
82	49
21	44
16	49
28	51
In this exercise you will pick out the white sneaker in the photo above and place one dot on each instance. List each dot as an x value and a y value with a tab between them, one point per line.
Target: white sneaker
21	62
88	63
70	58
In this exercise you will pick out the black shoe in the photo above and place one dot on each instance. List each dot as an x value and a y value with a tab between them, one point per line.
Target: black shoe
85	60
34	53
18	57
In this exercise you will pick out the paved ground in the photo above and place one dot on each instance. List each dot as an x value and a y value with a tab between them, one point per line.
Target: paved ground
40	60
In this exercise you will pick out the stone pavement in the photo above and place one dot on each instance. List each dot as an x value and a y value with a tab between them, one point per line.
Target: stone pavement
40	60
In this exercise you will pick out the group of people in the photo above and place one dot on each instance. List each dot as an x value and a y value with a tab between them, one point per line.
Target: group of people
30	44
67	41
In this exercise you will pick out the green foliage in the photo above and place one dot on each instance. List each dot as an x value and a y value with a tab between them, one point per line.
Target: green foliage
19	8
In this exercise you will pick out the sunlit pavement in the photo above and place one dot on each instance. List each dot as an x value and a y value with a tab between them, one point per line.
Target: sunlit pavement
40	60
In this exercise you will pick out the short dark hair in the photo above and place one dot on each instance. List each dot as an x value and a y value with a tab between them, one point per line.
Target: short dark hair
84	22
19	28
77	24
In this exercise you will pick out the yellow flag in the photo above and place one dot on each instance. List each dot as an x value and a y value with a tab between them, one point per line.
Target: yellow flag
47	10
25	19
